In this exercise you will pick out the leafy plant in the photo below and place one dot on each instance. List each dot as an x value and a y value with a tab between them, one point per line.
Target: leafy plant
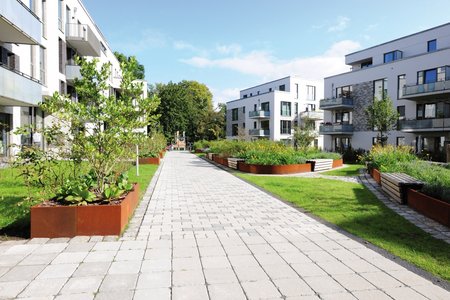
382	116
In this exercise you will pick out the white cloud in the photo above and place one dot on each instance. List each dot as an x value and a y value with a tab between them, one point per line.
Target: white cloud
225	95
267	67
229	49
149	39
181	45
341	24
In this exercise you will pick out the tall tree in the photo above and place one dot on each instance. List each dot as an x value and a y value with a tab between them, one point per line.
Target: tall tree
382	116
304	134
137	69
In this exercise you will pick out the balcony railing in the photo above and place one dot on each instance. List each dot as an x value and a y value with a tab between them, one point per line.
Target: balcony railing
441	124
83	39
17	88
72	72
259	114
21	25
336	129
259	132
313	115
419	90
332	103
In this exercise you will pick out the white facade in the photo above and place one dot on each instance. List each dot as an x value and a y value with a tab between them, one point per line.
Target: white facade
414	72
38	42
272	110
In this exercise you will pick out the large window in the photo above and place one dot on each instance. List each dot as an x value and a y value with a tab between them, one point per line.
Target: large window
60	15
401	82
282	87
265	106
340	144
344	91
380	88
286	109
391	56
285	127
343	117
44	18
234	129
431	46
234	114
310	92
426	111
42	65
401	111
433	75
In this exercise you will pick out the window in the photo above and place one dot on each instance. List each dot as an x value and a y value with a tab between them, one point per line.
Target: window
286	109
257	92
340	144
426	111
33	61
234	114
265	125
60	15
433	75
391	56
296	108
270	89
285	127
62	56
68	15
431	46
62	88
265	106
366	64
380	88
44	18
243	109
245	96
255	125
282	87
401	141
343	117
401	111
296	91
42	65
234	129
103	47
255	107
310	92
243	125
251	94
401	82
344	91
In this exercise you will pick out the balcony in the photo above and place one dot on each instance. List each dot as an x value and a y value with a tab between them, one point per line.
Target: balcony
83	39
425	125
19	25
18	89
259	114
336	129
259	132
336	103
72	72
116	81
313	115
435	90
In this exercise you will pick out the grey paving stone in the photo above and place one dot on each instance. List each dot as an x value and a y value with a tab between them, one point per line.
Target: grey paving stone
236	250
216	276
353	282
334	267
432	291
308	269
125	267
226	291
100	256
79	247
371	294
20	273
251	273
82	296
324	285
190	277
38	259
92	269
243	261
10	260
186	263
41	287
281	271
404	293
343	296
129	255
118	282
79	285
154	280
260	290
21	249
153	294
10	290
197	292
214	262
293	287
154	265
51	248
70	258
107	246
133	245
381	280
58	271
122	295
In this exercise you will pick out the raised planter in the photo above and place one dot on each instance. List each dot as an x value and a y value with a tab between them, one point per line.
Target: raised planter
149	161
162	153
376	175
281	169
70	221
338	163
221	160
428	206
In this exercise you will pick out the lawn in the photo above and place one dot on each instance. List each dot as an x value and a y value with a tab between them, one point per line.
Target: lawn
354	208
14	208
349	170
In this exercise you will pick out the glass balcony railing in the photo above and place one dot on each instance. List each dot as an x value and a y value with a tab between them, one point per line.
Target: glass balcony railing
333	103
425	125
259	132
421	89
336	129
259	114
313	115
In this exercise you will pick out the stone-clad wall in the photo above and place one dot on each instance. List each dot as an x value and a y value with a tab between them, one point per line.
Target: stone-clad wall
362	98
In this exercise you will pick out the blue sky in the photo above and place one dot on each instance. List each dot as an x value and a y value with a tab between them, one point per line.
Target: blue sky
230	45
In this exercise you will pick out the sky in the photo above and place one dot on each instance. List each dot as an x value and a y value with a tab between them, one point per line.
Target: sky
230	45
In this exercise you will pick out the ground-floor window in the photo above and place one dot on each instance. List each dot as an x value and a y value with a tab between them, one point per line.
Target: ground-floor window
401	141
234	129
4	134
285	127
341	143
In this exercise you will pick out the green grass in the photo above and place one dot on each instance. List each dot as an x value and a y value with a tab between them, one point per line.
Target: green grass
355	209
349	170
200	154
15	209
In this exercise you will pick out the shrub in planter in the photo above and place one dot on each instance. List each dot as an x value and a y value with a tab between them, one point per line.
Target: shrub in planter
387	157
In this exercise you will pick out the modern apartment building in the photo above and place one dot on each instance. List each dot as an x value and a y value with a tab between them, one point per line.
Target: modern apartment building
414	71
272	110
38	42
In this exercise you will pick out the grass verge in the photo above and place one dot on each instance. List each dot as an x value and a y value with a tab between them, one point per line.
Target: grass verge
349	170
15	209
355	209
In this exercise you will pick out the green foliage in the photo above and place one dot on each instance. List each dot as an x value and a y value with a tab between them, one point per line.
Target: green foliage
304	135
386	158
382	116
152	145
137	69
349	170
201	144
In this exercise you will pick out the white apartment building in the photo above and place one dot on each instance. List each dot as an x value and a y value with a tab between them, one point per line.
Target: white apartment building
414	71
272	110
38	42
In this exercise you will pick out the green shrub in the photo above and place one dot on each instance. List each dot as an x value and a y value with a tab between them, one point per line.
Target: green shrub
387	157
152	145
202	144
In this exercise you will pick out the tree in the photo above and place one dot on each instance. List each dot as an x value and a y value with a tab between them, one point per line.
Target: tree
138	70
382	116
304	134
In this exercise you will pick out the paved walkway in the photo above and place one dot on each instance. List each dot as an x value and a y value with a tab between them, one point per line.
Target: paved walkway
205	234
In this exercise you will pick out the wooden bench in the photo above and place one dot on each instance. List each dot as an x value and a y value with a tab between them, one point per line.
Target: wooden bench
233	162
396	185
321	164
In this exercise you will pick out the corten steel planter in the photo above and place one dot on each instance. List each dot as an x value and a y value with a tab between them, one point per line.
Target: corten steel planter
70	221
220	160
376	175
149	161
428	206
269	169
162	153
338	163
